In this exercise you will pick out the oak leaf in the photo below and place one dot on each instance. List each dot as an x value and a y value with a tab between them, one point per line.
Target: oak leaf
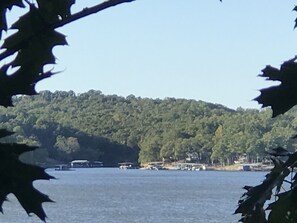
17	178
283	97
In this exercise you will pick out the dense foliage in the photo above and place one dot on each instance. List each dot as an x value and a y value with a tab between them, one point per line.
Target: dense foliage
114	129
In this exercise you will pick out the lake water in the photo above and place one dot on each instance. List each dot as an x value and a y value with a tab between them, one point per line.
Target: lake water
111	195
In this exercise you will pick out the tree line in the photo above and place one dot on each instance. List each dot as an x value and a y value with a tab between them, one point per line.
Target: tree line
114	129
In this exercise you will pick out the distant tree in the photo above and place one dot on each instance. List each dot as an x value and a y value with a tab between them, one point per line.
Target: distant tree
67	147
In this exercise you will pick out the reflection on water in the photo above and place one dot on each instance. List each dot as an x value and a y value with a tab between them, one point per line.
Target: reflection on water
117	196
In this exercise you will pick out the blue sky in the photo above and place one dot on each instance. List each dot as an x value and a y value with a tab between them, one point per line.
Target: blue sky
193	49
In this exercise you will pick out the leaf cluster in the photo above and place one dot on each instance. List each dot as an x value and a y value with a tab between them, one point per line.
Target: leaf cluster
24	56
31	46
283	209
280	98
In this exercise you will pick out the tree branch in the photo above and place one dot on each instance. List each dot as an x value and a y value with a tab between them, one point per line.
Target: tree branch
88	11
85	12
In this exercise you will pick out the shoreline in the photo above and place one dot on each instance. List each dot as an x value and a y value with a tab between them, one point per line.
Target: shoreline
234	167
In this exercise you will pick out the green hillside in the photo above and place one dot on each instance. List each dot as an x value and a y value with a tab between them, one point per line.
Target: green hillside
114	129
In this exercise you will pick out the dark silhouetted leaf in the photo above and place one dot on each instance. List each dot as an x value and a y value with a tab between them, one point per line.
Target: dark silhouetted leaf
18	84
283	97
4	5
279	151
284	209
17	178
55	8
251	205
34	42
295	9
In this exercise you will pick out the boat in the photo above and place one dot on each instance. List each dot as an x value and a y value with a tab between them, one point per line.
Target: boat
95	164
155	166
80	163
190	166
62	167
85	164
126	166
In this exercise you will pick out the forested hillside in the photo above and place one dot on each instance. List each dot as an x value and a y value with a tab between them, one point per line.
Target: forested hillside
114	129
